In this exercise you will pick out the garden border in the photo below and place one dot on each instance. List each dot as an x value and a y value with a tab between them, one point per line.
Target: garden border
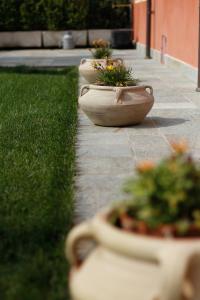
51	39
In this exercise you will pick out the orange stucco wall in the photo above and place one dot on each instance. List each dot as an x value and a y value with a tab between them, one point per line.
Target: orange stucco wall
174	27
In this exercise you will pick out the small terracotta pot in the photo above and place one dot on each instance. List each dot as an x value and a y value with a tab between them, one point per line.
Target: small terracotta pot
116	106
87	70
131	266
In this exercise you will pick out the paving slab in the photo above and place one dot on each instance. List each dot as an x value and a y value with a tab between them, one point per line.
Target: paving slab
49	57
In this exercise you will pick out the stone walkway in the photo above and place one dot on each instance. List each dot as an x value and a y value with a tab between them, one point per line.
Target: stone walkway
42	58
48	58
107	156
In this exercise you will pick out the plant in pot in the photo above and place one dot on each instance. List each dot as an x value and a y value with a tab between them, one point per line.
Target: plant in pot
115	99
101	49
148	247
101	53
164	199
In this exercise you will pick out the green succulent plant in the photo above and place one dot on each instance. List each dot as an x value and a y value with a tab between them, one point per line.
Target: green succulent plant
101	50
163	195
114	74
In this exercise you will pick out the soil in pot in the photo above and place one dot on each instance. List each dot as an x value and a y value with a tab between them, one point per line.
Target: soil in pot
127	223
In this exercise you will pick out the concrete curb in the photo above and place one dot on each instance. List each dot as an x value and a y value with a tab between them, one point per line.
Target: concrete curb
51	39
21	39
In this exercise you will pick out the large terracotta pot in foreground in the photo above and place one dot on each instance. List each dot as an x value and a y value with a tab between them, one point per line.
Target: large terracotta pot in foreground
128	266
87	70
116	106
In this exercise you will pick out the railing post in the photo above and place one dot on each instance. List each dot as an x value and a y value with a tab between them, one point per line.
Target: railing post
148	29
198	82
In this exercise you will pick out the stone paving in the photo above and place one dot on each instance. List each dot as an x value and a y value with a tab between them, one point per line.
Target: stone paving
48	57
42	58
107	156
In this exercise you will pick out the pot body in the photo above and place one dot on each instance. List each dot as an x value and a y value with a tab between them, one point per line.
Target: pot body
130	266
116	106
87	70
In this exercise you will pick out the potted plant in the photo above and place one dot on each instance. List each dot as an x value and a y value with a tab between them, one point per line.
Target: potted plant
148	247
115	99
101	52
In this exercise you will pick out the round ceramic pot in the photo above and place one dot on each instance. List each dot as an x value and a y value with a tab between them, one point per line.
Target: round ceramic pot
131	266
116	106
87	70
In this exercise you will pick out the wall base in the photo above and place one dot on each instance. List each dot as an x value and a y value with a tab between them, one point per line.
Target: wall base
188	70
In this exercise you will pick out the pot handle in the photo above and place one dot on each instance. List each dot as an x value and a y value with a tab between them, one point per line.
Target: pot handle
79	233
119	92
119	60
148	87
83	60
83	88
174	264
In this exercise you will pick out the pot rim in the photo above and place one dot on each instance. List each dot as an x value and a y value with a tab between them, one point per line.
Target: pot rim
104	214
135	244
113	88
102	218
91	59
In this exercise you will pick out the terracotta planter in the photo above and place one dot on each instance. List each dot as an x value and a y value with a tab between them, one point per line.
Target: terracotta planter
87	70
116	106
131	266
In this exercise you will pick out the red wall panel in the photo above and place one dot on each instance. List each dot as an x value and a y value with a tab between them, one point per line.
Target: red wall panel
173	21
139	22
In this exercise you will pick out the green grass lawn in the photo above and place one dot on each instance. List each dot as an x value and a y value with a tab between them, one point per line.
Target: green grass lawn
38	116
